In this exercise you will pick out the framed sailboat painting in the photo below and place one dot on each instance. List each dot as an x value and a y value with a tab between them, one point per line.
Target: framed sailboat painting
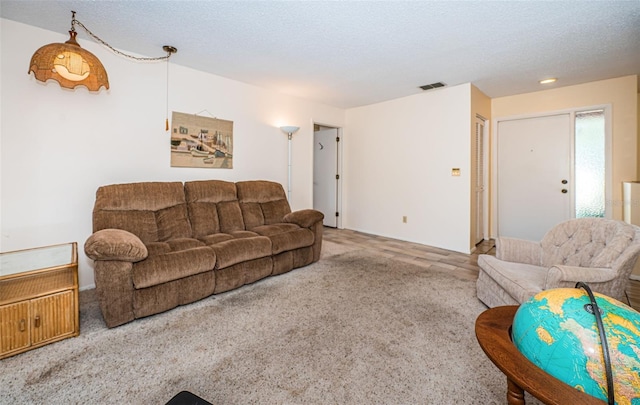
198	141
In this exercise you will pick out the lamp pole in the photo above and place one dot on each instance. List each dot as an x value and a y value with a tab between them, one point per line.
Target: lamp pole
289	130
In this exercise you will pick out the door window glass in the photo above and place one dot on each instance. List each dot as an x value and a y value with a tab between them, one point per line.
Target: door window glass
590	164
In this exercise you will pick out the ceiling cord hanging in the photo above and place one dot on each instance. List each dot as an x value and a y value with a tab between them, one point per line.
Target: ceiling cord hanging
167	48
166	123
75	22
170	50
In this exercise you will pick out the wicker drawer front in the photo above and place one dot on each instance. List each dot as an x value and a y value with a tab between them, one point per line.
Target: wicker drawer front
52	317
14	327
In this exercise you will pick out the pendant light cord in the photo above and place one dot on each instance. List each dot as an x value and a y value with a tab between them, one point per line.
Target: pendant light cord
75	22
166	123
169	49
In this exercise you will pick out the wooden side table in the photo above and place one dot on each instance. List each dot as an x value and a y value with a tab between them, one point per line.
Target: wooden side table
38	297
492	331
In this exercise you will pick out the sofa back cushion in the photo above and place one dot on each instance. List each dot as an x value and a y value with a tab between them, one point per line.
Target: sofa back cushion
586	242
262	202
153	211
213	207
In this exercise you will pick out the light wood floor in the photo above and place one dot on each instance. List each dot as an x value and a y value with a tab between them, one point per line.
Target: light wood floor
427	256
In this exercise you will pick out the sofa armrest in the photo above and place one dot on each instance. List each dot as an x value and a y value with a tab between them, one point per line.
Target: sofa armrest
518	251
304	218
560	276
115	244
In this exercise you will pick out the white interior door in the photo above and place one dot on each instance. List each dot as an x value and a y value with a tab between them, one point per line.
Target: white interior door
534	175
325	175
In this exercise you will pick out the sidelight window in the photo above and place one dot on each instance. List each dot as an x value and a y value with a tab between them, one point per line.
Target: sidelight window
590	163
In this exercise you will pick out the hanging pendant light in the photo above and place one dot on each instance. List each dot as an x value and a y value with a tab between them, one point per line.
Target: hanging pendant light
69	64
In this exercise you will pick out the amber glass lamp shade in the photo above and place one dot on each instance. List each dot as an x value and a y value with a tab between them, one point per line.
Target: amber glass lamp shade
69	65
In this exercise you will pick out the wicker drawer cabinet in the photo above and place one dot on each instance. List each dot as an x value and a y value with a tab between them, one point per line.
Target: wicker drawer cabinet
38	297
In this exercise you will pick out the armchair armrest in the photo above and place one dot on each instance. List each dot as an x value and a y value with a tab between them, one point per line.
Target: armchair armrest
115	244
518	251
567	276
304	218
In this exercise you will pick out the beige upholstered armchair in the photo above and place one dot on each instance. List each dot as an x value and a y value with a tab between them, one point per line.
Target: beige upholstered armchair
600	252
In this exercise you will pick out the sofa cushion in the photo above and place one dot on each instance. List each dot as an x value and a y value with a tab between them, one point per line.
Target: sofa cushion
221	237
237	250
216	238
230	216
213	207
204	218
286	237
274	211
262	202
252	215
173	265
158	248
129	207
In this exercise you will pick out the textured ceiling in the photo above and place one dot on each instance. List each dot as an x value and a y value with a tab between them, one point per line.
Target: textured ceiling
353	53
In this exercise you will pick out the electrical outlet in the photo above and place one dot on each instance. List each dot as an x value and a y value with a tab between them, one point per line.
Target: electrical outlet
404	219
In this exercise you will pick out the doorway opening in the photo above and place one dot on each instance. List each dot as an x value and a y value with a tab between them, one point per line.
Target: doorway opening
327	176
479	181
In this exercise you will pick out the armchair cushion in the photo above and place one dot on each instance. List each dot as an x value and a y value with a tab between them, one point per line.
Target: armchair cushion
586	242
519	280
560	276
518	250
600	252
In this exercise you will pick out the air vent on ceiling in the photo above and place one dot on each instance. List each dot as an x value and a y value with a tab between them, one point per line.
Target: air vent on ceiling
432	86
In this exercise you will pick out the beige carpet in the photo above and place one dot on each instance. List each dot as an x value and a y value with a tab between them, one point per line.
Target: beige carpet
354	328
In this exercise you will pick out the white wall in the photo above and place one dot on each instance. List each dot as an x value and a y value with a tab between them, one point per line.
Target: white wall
399	156
58	146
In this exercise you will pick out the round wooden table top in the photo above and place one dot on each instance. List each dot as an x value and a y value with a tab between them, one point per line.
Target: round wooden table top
492	332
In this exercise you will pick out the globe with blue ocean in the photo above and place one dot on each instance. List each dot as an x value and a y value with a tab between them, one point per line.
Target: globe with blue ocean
557	331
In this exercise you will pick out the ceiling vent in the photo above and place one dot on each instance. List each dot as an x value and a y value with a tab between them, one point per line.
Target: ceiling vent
432	86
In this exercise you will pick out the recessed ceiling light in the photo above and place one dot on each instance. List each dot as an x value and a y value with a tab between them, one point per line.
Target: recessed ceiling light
549	80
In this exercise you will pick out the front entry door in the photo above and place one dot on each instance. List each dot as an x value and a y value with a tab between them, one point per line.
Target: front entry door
534	175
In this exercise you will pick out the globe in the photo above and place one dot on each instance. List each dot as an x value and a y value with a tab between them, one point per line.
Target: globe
557	331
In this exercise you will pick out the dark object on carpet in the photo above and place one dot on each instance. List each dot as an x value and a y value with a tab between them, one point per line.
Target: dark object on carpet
187	398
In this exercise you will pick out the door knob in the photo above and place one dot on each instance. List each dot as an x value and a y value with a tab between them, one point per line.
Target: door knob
564	182
564	191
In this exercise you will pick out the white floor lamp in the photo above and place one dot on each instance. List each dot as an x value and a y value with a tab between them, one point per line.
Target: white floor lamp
289	130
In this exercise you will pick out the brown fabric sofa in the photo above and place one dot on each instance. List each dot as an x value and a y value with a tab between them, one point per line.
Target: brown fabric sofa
157	245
